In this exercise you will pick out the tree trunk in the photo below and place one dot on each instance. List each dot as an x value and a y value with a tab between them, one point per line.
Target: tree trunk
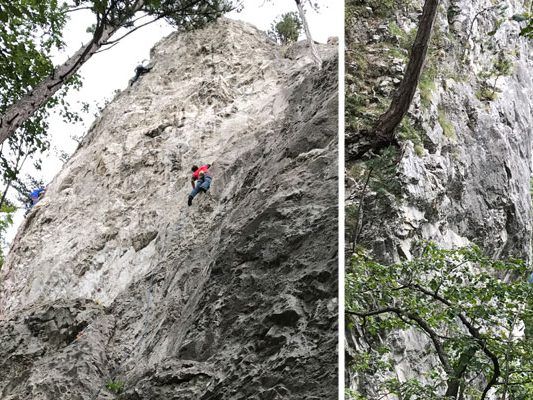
459	370
4	194
383	132
314	51
404	95
18	113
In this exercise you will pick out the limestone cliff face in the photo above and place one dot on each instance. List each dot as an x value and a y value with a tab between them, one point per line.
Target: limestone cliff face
464	175
113	280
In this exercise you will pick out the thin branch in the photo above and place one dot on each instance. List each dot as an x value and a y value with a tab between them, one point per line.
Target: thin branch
107	48
133	30
420	322
359	223
472	28
474	332
139	18
71	10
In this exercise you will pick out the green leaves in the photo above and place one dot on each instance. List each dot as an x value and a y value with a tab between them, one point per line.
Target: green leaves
29	32
6	220
286	29
527	30
186	15
456	298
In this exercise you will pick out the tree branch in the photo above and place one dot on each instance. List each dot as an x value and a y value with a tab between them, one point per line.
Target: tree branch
115	41
15	115
71	10
474	332
107	48
420	322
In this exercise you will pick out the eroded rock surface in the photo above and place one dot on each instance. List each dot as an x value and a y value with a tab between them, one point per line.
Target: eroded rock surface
231	298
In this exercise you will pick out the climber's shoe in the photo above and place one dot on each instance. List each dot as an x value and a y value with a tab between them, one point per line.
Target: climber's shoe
189	201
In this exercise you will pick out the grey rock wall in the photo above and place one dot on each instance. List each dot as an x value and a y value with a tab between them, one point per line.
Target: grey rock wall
113	279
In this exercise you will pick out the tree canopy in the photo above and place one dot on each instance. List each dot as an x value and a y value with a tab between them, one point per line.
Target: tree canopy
474	321
30	31
286	29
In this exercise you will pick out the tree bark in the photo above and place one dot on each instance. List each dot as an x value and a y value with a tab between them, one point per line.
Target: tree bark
454	381
312	46
18	113
382	135
4	194
404	95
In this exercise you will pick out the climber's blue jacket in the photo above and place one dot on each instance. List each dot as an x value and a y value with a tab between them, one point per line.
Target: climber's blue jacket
35	194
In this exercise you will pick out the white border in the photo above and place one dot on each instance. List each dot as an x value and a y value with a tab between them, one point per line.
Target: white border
341	207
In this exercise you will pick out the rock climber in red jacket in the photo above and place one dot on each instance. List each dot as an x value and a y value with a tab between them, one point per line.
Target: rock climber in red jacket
200	180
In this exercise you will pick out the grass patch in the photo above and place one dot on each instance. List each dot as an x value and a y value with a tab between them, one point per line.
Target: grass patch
396	52
427	84
383	8
503	66
419	150
447	127
405	39
486	93
116	387
407	131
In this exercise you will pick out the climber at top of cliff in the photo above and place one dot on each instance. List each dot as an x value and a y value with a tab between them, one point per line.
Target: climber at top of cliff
141	69
200	181
36	195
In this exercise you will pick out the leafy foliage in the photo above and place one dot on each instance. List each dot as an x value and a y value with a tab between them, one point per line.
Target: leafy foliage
409	131
527	30
447	127
377	187
502	66
380	8
30	30
405	39
286	29
6	220
183	14
473	319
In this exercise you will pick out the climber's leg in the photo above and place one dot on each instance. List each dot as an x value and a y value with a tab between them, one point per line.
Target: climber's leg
194	192
204	187
196	189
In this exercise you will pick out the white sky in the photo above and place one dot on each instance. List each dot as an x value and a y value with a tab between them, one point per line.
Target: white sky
111	70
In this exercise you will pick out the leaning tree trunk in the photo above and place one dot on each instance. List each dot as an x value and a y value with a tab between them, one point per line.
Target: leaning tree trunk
18	113
382	135
403	97
314	51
